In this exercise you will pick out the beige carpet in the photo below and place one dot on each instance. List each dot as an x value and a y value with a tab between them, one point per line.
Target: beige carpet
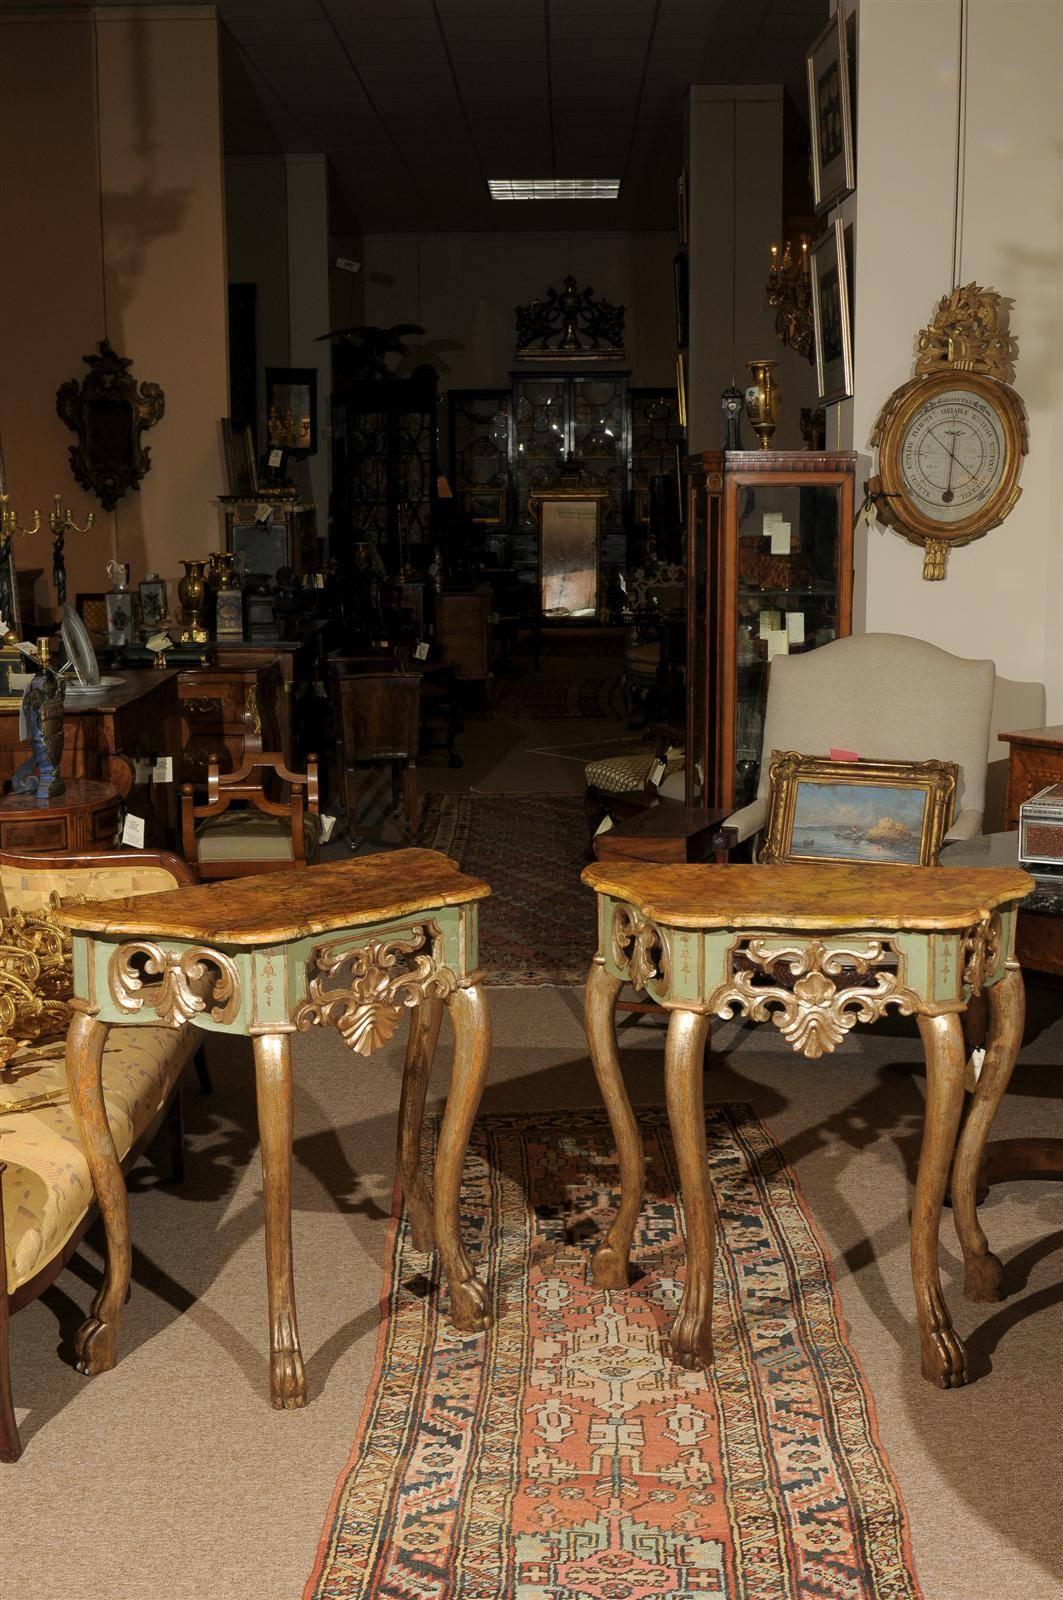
171	1478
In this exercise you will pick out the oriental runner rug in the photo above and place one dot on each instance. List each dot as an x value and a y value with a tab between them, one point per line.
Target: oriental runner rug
562	1456
539	924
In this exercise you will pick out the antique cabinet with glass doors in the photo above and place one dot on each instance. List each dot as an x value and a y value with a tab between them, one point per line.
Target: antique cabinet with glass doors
769	572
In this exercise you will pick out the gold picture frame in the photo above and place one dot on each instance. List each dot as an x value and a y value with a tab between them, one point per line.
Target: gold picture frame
830	114
858	812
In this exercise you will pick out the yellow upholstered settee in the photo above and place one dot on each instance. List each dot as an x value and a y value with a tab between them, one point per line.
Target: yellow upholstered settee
46	1190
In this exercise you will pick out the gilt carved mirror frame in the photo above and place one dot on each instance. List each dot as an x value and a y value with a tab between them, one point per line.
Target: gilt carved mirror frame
109	413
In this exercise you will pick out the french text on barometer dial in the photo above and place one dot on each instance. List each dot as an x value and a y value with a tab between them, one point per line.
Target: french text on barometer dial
952	455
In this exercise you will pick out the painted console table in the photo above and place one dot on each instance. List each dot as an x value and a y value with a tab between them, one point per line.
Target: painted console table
349	944
814	950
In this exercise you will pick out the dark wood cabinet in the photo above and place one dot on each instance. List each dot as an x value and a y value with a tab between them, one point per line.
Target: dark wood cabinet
769	571
384	466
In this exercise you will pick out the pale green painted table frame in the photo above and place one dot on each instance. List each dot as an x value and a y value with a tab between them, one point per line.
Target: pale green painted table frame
359	980
834	980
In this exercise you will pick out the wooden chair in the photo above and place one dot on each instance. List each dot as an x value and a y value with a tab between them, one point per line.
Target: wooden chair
379	720
264	835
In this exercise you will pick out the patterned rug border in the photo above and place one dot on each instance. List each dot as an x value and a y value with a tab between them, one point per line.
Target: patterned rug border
740	1115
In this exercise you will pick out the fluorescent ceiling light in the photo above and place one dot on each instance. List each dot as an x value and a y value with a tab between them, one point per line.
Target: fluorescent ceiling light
554	188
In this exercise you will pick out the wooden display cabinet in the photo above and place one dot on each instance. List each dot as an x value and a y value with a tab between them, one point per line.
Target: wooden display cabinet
769	570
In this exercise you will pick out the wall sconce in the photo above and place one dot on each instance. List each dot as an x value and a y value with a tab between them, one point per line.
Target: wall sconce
789	295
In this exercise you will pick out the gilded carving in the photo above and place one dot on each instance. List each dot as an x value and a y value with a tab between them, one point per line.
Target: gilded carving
385	976
177	984
639	946
818	1011
981	952
36	978
965	335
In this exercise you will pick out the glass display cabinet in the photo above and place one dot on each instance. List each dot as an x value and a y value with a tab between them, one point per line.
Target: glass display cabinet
769	572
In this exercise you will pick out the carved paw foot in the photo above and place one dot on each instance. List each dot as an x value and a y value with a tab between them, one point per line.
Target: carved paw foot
95	1346
468	1306
983	1278
691	1337
287	1380
609	1267
944	1360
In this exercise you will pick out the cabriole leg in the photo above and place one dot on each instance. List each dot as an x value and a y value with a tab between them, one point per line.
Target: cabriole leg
471	1021
273	1084
420	1052
610	1264
684	1080
96	1341
944	1360
983	1273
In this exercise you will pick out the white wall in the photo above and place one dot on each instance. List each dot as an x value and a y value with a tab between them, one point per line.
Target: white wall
463	287
734	181
1003	596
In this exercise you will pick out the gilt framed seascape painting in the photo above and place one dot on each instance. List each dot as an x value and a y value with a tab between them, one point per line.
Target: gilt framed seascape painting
874	812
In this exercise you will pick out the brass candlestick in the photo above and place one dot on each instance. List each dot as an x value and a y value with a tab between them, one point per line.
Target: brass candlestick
9	521
762	400
61	523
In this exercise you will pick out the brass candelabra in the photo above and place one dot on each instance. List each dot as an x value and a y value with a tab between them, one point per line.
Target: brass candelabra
61	522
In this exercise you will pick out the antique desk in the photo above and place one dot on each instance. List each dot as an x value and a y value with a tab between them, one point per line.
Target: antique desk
350	944
814	950
105	733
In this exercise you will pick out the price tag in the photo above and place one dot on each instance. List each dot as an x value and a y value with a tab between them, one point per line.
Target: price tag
319	580
162	771
141	769
795	627
276	457
778	643
657	772
780	539
421	651
603	826
326	823
133	832
263	513
771	522
622	581
842	755
769	623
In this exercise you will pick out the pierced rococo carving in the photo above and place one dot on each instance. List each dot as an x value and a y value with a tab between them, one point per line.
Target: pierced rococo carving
639	946
817	1013
177	984
109	413
386	975
569	323
981	952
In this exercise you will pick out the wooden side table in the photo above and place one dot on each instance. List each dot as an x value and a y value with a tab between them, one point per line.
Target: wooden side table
350	944
84	817
1035	759
814	950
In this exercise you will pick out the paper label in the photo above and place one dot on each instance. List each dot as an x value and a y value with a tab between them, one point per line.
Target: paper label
162	771
326	823
421	651
795	627
771	521
769	623
603	826
319	580
657	772
263	512
623	581
780	539
141	769
276	457
778	643
133	832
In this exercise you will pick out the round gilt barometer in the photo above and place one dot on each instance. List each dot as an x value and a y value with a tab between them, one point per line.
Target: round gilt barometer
950	441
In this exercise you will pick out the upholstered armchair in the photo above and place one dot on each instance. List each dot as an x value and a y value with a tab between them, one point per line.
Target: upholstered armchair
886	697
46	1194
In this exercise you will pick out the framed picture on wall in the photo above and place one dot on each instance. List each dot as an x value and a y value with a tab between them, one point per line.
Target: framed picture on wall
831	307
239	458
486	505
291	409
830	115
